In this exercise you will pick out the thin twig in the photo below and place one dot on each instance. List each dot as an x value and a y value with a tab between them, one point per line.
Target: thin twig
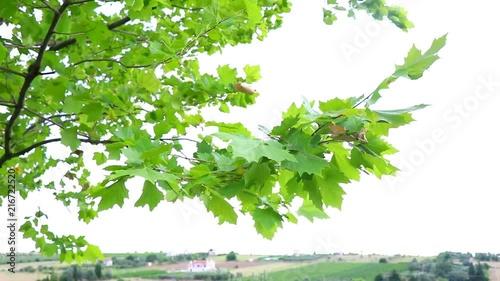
192	42
178	138
130	33
72	41
49	6
49	119
7	103
121	63
185	8
5	69
113	61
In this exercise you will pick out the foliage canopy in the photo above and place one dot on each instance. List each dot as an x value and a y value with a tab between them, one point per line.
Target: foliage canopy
128	82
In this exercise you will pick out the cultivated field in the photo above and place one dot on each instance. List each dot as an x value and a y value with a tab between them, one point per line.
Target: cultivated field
25	276
494	271
338	270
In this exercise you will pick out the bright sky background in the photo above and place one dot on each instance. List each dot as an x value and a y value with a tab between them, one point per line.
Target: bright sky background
447	195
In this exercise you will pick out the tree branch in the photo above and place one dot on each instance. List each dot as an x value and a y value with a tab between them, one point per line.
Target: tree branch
192	42
178	139
81	2
7	103
185	8
33	72
118	23
41	117
113	61
49	6
31	147
72	41
121	63
5	69
8	43
44	142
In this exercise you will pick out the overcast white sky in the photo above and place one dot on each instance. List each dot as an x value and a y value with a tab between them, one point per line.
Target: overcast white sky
447	196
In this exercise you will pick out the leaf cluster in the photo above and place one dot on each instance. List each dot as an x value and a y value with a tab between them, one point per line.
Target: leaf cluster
121	85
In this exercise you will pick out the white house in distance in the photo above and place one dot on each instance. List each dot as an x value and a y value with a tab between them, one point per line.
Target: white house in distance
108	262
202	265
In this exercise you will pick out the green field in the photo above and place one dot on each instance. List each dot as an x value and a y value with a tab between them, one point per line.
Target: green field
337	270
138	272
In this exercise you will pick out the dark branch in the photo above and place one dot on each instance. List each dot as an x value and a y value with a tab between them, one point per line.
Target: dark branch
31	147
47	73
118	23
33	72
44	142
81	2
62	44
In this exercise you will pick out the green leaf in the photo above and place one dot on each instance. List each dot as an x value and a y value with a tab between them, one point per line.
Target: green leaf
3	52
93	253
227	74
230	128
224	108
49	249
69	137
55	91
147	173
149	81
257	175
28	230
330	189
306	163
8	9
231	190
100	158
397	117
252	73
157	48
253	149
72	104
253	11
328	17
150	196
114	194
124	133
352	123
310	211
267	221
221	209
93	110
342	161
413	68
416	63
162	128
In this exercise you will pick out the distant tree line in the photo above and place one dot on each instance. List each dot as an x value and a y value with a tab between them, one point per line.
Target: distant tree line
450	265
80	273
486	257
